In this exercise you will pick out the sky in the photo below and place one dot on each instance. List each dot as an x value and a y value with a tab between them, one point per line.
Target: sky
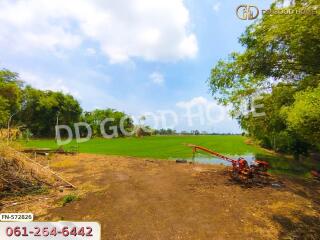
144	57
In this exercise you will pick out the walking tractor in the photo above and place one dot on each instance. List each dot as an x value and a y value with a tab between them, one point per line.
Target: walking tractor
241	170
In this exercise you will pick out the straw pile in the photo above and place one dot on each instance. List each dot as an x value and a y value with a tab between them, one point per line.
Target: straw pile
18	175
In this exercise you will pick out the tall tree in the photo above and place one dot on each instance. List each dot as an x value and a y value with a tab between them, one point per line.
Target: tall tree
10	95
280	59
96	117
303	115
42	110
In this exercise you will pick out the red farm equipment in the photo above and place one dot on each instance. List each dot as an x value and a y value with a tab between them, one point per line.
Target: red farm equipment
241	170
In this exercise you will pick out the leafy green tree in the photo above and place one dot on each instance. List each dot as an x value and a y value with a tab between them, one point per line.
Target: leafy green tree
44	109
4	111
96	117
34	109
168	131
10	95
278	48
280	59
303	116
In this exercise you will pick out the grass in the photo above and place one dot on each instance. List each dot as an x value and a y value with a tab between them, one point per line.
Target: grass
160	147
173	147
286	165
65	163
34	190
69	198
42	190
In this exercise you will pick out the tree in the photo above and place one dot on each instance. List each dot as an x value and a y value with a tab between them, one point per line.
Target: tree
4	111
42	108
168	131
303	116
280	60
96	117
279	48
10	95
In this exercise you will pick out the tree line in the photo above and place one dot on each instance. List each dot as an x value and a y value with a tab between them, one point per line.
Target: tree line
280	64
38	112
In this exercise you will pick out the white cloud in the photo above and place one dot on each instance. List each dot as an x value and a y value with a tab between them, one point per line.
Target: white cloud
54	84
287	3
193	102
216	7
88	94
148	29
90	51
209	111
157	78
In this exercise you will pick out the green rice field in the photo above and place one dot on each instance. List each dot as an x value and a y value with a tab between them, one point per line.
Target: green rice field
174	147
163	147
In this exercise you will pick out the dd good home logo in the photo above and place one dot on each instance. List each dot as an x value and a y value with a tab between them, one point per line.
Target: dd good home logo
247	12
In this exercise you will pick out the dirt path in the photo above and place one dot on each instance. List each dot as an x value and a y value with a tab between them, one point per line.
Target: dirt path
142	199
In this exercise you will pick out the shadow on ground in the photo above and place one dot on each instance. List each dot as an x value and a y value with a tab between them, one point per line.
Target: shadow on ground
304	227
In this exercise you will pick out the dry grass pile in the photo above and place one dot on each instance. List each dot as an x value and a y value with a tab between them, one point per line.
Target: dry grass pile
19	174
14	134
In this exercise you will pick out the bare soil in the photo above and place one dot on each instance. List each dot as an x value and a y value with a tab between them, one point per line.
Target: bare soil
147	199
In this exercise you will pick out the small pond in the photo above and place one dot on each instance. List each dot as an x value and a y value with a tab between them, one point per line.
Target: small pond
204	159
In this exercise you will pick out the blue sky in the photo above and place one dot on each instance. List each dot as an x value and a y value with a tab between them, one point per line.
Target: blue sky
136	56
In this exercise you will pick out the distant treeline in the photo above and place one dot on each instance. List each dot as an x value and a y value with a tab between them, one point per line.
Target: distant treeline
170	131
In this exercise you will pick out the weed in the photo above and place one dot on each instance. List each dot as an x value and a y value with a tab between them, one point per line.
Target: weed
69	198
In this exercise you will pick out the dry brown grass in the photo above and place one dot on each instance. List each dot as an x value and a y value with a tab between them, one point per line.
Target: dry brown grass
14	134
18	174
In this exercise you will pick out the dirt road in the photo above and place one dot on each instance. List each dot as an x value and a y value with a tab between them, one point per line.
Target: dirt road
145	199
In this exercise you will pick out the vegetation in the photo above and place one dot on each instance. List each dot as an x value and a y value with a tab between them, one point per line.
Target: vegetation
165	131
303	115
96	117
32	109
20	177
69	198
173	147
36	112
280	64
43	109
287	165
10	95
162	147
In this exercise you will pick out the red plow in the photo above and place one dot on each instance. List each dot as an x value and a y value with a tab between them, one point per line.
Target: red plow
241	170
